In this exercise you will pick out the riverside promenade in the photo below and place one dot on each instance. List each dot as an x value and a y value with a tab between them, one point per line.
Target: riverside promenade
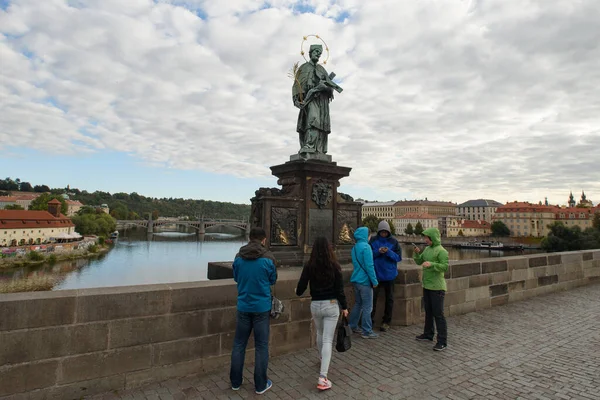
546	347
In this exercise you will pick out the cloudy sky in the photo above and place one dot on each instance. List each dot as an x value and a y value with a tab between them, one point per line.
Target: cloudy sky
449	100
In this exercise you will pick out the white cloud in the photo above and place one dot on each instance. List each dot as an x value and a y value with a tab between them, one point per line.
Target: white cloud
491	99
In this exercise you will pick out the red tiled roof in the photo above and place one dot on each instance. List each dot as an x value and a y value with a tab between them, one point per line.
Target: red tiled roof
525	207
416	216
27	196
54	201
16	219
74	202
8	198
474	224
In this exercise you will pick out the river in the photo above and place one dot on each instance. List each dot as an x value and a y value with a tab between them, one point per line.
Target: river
164	257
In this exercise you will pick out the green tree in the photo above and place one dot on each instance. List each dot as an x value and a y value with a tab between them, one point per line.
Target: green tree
94	224
41	188
25	187
155	214
596	221
419	228
499	228
371	222
13	207
41	202
409	229
562	238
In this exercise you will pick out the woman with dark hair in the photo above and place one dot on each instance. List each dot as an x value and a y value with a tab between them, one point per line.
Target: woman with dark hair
324	275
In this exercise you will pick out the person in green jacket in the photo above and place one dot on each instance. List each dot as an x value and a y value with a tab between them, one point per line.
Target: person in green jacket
434	259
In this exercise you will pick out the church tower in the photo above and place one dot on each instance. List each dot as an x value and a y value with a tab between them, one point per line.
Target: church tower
571	200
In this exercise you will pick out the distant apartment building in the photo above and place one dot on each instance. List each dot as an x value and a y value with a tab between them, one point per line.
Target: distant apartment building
469	228
435	208
7	201
582	217
526	219
427	221
73	206
383	210
480	209
25	199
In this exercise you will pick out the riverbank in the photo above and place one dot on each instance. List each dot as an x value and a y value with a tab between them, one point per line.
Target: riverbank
27	260
42	281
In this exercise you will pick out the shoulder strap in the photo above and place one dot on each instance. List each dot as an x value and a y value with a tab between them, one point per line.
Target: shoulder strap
358	261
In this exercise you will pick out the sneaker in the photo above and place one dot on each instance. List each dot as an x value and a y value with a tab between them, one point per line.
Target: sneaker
423	337
384	328
269	386
439	347
357	331
371	335
237	388
323	383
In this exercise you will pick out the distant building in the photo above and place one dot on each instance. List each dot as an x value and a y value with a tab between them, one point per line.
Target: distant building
73	206
426	220
480	209
526	219
469	228
435	208
7	201
584	202
383	210
576	216
25	199
22	227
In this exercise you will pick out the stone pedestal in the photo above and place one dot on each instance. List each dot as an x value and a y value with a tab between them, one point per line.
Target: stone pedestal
307	206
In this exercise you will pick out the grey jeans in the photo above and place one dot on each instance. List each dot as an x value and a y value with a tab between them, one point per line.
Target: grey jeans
325	313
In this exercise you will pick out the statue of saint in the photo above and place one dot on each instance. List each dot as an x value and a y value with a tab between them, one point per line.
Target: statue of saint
312	91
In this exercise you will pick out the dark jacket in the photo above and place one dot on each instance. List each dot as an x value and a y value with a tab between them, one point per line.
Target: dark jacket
321	290
386	264
254	271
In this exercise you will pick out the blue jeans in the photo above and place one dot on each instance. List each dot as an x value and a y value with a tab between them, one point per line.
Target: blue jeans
246	321
325	313
363	304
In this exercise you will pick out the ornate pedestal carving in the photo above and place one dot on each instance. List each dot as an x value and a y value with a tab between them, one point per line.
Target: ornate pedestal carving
307	206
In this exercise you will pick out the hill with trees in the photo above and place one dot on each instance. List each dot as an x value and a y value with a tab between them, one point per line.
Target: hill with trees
133	205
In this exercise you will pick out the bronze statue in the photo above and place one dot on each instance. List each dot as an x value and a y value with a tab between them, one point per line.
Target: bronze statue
312	91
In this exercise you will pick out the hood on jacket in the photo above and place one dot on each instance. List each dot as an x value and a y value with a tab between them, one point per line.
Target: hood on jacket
361	234
384	226
253	251
434	235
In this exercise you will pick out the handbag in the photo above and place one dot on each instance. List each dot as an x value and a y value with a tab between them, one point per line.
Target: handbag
277	307
344	334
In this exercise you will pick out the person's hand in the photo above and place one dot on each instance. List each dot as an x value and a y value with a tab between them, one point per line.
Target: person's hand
426	264
382	250
385	249
416	249
374	286
345	313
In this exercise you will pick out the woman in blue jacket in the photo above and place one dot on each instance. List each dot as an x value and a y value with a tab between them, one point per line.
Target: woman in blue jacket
364	280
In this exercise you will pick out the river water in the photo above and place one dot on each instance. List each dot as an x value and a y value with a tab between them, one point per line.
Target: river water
164	257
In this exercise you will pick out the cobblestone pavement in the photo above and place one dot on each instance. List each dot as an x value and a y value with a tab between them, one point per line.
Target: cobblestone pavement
543	348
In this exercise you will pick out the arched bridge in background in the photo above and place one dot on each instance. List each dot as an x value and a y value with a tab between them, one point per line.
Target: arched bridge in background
199	225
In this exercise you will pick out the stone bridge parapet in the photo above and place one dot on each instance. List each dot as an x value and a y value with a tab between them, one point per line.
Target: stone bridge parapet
73	343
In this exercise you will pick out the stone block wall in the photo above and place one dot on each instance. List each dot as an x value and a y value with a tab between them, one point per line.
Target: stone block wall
479	284
73	343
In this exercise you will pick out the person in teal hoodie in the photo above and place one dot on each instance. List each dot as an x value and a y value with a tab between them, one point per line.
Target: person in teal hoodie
434	259
364	280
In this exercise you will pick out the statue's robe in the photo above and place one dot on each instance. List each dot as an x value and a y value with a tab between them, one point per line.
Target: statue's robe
316	113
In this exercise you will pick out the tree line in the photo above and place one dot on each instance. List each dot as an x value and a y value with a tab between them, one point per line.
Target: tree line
135	206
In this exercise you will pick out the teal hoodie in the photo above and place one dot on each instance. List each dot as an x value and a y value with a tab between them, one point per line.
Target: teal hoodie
433	277
362	259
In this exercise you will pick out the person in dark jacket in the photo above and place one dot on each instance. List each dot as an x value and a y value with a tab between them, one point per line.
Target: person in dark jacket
386	256
254	272
324	275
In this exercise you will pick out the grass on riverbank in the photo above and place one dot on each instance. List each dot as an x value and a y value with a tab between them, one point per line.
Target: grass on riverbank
30	284
35	258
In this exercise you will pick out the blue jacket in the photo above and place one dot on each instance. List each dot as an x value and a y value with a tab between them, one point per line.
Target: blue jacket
386	264
362	259
254	271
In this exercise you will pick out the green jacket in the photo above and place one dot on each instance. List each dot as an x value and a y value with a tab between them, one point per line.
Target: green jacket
433	277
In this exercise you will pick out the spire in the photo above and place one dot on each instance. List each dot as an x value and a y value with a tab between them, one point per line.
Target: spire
582	196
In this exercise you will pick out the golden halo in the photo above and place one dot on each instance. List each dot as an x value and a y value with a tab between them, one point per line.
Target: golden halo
305	38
